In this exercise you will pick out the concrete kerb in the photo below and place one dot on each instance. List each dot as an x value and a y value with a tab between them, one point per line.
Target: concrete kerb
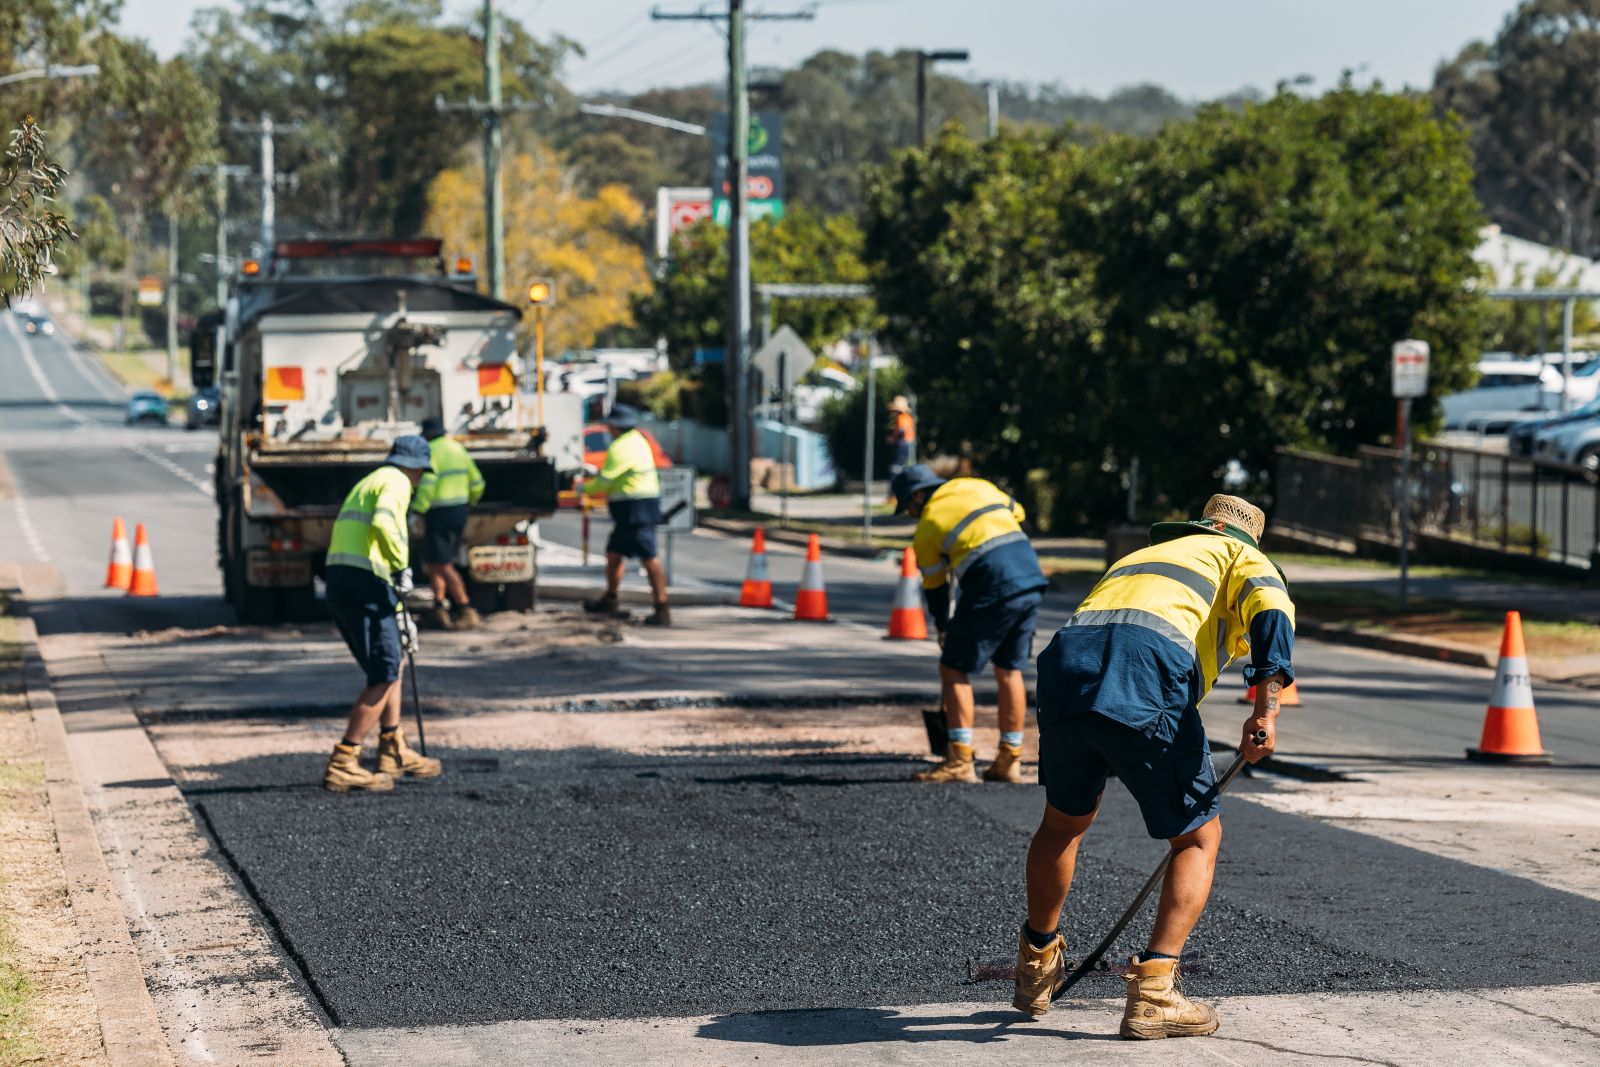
565	588
833	545
1417	647
129	1026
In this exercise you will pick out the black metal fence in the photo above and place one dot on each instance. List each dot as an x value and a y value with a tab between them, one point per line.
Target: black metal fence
1464	502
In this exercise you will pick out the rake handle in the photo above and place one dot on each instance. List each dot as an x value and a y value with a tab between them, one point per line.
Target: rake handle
416	703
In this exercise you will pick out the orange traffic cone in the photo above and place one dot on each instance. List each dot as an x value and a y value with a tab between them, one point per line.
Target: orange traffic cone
1289	698
906	620
119	572
143	582
1510	726
757	590
811	601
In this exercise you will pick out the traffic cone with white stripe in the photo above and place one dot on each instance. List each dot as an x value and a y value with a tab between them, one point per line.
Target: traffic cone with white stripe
143	582
906	620
811	601
1289	698
119	572
757	589
1511	726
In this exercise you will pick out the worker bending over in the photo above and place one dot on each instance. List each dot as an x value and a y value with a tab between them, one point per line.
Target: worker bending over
443	499
367	571
1119	692
633	496
969	529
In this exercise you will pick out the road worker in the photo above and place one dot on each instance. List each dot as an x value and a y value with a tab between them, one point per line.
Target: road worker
969	530
1119	693
902	437
368	570
633	496
443	498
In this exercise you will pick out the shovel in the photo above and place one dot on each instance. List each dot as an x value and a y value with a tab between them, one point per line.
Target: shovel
937	723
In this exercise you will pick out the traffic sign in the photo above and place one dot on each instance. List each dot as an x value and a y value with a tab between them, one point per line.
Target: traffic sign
1410	369
677	498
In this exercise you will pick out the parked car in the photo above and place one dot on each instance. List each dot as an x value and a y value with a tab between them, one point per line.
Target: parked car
1507	389
1524	438
145	406
1577	443
204	409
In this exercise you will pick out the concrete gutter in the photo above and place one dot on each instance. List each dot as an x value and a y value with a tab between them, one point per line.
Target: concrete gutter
129	1026
835	545
1401	645
588	589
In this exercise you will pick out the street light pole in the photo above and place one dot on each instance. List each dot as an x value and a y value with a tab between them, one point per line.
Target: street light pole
952	55
172	297
493	187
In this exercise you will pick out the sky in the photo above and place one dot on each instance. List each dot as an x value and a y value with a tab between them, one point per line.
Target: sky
1198	49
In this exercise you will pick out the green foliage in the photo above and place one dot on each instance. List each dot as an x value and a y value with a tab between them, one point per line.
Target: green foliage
689	304
30	225
1194	299
1531	101
844	424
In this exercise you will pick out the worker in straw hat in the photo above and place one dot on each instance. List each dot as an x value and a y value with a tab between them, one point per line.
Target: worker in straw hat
969	529
1119	692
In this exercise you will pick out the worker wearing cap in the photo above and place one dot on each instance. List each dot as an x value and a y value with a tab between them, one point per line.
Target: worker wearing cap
1119	692
902	435
444	498
368	568
970	530
633	496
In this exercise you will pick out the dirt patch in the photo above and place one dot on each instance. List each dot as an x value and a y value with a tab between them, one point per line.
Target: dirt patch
47	1013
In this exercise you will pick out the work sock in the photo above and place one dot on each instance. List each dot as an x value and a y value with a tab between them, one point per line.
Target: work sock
1035	938
1011	738
961	735
1151	954
386	731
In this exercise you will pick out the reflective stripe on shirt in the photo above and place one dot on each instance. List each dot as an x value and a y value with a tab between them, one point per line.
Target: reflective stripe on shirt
1133	617
1206	589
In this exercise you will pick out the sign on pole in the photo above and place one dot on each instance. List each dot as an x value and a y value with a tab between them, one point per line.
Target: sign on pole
151	294
1410	369
765	180
767	360
677	497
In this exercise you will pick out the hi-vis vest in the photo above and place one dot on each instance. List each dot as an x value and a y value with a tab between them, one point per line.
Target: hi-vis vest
370	532
1200	592
629	472
964	520
454	479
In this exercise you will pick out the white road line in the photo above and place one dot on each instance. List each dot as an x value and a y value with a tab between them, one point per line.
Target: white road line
26	348
30	533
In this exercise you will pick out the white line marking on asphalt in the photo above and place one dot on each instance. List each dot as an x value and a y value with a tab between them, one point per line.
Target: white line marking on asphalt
30	533
26	348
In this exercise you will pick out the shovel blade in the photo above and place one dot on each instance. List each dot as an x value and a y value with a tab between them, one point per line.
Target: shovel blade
938	727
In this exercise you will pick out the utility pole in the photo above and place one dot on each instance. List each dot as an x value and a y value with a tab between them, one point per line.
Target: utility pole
220	173
952	55
492	115
736	361
172	297
265	130
993	89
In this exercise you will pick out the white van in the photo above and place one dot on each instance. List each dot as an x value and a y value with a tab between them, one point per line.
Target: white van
1508	391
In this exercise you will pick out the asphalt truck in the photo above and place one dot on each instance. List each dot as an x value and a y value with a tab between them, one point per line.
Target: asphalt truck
325	351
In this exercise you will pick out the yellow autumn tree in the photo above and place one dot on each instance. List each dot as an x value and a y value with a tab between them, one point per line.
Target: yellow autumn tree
552	230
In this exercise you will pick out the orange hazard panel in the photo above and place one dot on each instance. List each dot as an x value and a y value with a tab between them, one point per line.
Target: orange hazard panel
496	379
285	383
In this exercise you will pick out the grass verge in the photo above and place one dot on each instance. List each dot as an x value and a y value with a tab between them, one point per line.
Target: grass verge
1479	627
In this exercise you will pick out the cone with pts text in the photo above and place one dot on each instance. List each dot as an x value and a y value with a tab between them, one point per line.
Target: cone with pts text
811	600
757	589
1510	726
119	572
143	582
906	620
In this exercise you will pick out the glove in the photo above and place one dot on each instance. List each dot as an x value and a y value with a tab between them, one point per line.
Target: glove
408	632
403	583
590	470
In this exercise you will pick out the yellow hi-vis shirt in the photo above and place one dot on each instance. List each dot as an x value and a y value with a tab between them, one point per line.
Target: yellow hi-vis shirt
454	479
1200	593
963	521
370	533
629	472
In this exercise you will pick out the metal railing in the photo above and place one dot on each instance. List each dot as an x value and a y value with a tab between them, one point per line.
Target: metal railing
1489	501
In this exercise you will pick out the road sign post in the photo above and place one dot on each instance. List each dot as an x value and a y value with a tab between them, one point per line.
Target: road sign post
677	505
1410	381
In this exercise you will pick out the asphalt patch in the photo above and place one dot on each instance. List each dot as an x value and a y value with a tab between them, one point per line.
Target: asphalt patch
594	884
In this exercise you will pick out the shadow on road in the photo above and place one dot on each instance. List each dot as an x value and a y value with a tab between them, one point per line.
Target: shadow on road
862	1026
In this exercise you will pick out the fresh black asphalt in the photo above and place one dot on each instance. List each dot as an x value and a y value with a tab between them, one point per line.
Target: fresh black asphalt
589	884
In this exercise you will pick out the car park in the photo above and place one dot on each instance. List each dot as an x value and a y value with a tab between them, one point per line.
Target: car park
146	407
1507	391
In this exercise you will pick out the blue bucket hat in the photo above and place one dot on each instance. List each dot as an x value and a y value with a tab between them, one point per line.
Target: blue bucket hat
409	451
432	426
910	480
622	417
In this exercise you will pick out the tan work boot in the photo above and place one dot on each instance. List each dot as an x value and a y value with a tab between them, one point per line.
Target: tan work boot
397	758
468	618
1157	1007
345	772
957	766
661	617
438	618
1040	972
1007	766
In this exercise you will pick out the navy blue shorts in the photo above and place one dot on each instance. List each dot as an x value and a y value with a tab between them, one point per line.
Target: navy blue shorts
441	533
1001	632
633	527
1176	786
363	607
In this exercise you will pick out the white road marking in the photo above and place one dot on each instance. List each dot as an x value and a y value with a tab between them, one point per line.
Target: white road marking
26	348
30	533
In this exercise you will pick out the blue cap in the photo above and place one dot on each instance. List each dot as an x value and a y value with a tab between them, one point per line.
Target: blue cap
410	451
908	481
622	417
